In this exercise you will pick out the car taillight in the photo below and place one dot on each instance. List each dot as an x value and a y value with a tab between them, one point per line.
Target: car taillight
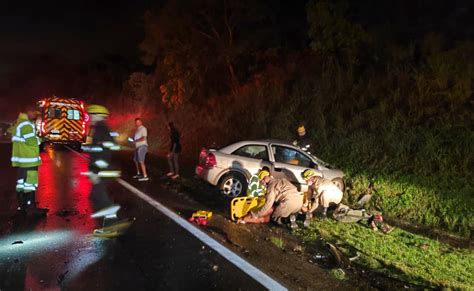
211	161
207	159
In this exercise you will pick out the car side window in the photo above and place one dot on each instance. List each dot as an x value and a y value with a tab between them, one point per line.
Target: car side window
291	156
259	152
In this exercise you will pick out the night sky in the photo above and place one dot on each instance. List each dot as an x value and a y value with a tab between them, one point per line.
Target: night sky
44	43
77	30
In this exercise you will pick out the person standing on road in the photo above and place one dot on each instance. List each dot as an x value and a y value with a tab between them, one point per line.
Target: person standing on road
141	148
175	150
26	157
302	139
99	150
321	193
282	200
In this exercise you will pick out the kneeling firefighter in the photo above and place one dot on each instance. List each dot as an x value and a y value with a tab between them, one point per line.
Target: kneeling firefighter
321	193
26	157
100	148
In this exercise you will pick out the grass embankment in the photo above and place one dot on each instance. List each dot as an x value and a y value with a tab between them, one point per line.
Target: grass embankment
400	254
422	174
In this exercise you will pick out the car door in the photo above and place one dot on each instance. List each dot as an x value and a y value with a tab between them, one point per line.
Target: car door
289	163
250	158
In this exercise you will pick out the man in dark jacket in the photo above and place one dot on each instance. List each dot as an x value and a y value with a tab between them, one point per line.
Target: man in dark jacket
175	150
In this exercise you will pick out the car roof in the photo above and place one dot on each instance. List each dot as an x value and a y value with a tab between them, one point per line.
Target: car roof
234	146
280	141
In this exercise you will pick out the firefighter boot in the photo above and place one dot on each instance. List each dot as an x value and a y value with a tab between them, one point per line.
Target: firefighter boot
293	224
307	221
21	201
31	205
324	215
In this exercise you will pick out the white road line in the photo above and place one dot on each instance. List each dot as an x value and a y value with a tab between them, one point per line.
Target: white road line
233	258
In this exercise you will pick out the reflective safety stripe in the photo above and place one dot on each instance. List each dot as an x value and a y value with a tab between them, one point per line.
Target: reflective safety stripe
25	160
86	173
20	181
101	164
109	174
17	138
29	135
108	144
115	148
29	187
92	149
114	134
19	126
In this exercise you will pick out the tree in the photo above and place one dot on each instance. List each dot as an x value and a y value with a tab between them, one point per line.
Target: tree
195	45
332	33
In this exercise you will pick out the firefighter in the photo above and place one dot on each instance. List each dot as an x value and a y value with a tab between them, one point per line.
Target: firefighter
255	188
321	193
102	143
26	157
302	139
282	200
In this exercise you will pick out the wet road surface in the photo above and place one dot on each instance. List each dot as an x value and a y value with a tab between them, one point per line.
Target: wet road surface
60	253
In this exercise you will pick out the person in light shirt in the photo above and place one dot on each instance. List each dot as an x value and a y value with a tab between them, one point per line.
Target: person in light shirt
141	148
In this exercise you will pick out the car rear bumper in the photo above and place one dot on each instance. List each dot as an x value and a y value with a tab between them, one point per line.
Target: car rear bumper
209	175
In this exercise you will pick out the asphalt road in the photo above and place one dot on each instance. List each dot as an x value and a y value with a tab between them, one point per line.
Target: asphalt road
59	252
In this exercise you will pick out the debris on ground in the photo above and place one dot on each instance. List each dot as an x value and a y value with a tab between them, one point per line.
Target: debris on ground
61	277
354	257
337	254
364	200
298	249
67	212
201	217
319	257
339	274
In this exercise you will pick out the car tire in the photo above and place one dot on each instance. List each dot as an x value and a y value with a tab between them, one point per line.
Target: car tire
233	184
339	182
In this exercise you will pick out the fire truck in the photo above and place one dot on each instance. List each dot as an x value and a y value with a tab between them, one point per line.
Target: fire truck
62	120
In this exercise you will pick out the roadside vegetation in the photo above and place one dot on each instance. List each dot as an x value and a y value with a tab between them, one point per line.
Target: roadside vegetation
389	104
401	255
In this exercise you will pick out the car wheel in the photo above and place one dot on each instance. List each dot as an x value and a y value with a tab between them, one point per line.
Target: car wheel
339	183
233	185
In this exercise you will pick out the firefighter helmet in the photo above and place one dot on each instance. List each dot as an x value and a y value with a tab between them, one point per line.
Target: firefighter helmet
262	174
309	173
97	109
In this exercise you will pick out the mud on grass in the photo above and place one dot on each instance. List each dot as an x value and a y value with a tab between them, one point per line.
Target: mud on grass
400	255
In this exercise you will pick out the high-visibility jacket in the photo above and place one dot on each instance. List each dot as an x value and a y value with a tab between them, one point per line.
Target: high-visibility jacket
255	188
102	143
25	150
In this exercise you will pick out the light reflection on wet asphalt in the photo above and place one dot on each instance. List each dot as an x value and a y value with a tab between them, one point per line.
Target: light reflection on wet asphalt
60	253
